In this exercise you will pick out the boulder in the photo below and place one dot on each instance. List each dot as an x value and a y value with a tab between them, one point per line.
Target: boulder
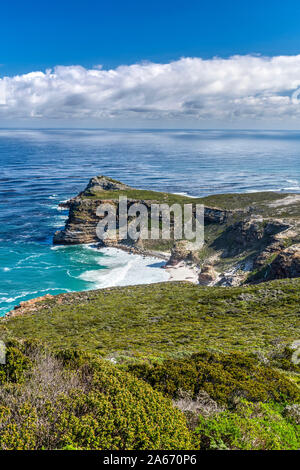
103	183
286	264
207	275
181	252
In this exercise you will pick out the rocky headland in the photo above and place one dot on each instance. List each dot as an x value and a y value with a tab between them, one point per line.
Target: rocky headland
249	238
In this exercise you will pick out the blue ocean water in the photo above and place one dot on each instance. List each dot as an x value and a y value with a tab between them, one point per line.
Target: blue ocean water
40	168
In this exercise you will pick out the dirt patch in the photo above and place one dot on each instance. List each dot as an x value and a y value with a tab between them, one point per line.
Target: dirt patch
287	201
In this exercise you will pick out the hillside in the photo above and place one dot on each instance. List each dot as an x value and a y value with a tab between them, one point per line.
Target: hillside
98	369
164	320
249	238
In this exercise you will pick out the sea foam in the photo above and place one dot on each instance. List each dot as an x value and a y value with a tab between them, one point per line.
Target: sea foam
123	269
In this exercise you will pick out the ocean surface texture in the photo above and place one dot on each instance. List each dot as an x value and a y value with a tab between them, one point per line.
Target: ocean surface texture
40	168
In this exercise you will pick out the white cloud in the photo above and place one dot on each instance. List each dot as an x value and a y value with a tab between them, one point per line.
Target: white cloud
234	89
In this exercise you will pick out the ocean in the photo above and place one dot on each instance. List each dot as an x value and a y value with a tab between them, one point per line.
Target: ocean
41	168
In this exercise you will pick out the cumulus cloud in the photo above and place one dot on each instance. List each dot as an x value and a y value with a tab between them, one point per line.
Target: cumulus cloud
241	87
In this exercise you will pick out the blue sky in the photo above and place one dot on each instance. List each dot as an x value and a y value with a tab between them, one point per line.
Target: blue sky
164	63
35	35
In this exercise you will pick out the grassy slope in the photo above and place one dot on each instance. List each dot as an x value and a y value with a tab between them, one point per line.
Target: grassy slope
168	319
259	202
141	195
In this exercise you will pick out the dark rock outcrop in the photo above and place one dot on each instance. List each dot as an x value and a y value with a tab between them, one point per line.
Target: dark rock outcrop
27	306
181	252
81	223
286	264
102	183
215	215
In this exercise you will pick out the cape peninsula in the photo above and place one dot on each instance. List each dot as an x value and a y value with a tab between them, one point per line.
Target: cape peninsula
182	366
249	238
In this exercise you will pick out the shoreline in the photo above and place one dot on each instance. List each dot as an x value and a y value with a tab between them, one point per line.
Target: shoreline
180	272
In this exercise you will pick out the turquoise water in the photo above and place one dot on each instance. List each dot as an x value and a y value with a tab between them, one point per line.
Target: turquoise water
31	270
40	168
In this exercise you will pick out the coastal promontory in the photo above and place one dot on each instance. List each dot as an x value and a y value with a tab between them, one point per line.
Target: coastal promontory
248	238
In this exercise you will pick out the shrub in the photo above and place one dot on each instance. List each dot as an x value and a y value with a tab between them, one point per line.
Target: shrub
283	359
251	427
225	377
292	412
65	402
202	405
16	365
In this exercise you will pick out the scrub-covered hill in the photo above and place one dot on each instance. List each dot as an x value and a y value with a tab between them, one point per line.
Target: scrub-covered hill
164	320
163	366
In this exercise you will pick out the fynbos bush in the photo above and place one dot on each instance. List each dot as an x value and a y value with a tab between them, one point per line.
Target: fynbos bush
49	402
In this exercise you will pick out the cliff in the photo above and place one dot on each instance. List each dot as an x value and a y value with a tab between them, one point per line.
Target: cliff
249	238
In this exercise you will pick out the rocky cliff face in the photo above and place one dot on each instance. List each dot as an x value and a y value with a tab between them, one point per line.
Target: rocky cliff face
248	238
286	264
82	221
208	275
214	215
102	183
81	224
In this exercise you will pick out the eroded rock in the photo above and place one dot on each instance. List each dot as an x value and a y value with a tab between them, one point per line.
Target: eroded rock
27	306
208	275
286	264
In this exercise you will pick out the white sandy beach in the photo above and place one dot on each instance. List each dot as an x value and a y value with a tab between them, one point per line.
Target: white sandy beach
183	272
128	268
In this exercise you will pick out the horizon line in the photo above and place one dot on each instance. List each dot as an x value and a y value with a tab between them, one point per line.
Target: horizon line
150	129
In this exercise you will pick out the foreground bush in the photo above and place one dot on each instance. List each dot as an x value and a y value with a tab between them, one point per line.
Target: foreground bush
250	427
225	377
70	401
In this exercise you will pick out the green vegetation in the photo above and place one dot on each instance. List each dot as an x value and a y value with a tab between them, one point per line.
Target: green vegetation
74	401
258	275
141	195
165	320
250	427
233	201
195	368
225	377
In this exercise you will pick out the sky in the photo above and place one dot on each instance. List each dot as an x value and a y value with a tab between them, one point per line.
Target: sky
196	64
